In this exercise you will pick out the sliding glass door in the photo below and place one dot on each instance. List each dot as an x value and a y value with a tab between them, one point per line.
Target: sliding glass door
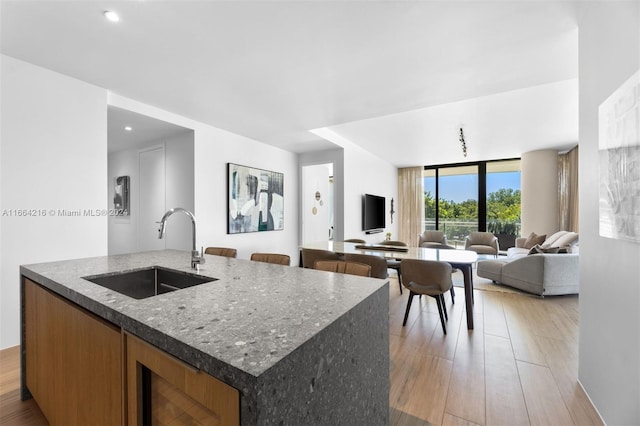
430	213
458	202
503	201
473	197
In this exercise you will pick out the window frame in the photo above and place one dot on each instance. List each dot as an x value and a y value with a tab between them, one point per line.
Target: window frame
482	187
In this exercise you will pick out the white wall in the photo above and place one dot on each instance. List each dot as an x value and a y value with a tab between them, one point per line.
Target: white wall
356	172
609	353
540	204
179	187
213	149
53	157
364	173
179	192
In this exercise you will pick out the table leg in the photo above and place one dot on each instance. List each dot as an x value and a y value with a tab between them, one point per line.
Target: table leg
468	294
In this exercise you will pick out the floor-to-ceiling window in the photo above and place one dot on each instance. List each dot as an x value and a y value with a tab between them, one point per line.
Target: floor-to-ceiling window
503	201
430	200
458	202
473	197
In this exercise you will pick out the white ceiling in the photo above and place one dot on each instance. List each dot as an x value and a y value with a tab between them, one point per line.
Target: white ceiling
383	73
143	129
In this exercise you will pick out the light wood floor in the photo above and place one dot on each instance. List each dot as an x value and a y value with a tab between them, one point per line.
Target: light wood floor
518	367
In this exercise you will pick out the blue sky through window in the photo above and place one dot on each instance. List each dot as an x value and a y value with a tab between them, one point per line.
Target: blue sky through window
460	188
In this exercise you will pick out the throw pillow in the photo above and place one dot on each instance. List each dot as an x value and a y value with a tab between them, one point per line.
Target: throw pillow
568	239
549	250
533	240
551	239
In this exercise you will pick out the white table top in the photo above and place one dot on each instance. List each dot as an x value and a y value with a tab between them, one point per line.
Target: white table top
444	255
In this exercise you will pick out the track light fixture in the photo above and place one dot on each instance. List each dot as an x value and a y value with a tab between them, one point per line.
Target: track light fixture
463	143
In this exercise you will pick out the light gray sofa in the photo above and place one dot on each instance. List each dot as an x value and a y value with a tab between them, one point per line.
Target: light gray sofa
544	274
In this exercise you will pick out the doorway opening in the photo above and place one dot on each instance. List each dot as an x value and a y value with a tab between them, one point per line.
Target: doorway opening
317	203
156	160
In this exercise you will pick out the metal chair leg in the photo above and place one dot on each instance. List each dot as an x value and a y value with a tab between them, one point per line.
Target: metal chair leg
453	295
444	328
406	313
444	307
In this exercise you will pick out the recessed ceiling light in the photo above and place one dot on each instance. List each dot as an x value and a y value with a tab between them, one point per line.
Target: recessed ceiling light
128	128
111	15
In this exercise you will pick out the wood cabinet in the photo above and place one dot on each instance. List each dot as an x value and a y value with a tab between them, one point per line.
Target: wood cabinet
164	390
83	370
73	360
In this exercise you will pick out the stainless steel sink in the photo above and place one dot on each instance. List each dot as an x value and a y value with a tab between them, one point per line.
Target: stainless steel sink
143	283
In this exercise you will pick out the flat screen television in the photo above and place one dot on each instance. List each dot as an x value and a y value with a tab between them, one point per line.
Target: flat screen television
373	216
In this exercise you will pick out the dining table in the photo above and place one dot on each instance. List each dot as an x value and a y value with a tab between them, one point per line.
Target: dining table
458	259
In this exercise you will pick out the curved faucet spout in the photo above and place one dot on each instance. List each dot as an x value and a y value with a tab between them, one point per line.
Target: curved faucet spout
196	258
163	222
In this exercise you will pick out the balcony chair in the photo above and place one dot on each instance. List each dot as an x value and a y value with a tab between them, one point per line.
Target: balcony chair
432	239
482	243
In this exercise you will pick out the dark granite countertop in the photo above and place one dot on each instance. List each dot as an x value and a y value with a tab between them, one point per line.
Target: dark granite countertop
234	328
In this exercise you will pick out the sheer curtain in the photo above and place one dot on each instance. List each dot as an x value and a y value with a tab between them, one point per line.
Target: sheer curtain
411	204
568	190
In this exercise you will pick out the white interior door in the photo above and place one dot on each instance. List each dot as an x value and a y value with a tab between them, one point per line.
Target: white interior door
152	198
316	203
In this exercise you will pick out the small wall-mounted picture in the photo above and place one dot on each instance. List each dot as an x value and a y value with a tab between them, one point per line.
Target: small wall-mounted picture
255	199
121	197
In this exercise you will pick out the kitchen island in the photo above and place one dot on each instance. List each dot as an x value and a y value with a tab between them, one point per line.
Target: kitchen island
299	346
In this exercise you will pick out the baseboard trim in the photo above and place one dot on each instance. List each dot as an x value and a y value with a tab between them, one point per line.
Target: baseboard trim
592	404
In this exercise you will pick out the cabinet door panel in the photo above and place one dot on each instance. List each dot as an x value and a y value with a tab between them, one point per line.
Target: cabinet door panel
177	392
73	361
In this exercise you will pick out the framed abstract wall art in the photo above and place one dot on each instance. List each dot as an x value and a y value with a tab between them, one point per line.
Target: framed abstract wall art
619	158
255	199
121	196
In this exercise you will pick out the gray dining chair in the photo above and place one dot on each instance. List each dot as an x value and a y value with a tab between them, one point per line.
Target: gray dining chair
428	277
378	263
395	263
275	258
355	240
343	267
310	256
221	251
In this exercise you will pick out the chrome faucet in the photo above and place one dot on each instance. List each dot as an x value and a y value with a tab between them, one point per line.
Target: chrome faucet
197	258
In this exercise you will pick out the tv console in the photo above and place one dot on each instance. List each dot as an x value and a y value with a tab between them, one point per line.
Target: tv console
373	231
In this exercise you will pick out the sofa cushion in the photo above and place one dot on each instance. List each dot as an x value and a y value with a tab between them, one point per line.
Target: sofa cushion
491	269
541	274
534	239
551	239
568	239
516	252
